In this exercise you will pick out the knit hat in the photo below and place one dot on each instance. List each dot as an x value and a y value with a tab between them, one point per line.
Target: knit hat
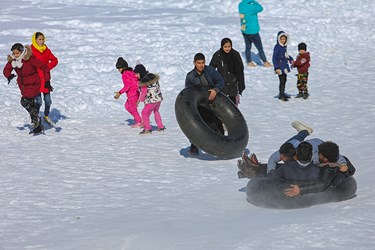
302	46
121	63
141	70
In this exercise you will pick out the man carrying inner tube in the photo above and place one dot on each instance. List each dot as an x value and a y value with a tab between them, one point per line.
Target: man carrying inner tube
203	74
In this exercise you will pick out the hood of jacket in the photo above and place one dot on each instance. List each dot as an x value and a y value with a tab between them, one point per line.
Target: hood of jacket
28	54
148	79
280	34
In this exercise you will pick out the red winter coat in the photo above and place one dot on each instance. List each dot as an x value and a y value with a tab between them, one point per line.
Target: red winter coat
302	63
28	78
48	58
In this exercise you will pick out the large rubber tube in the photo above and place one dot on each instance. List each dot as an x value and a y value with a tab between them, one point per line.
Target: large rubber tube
190	102
270	193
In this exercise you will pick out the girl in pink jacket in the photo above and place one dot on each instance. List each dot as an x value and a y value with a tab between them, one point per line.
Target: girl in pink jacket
130	81
151	96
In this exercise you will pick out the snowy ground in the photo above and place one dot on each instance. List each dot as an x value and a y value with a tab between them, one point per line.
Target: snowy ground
94	183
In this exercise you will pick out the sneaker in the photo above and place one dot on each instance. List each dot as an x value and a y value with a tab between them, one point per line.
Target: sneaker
267	64
299	126
145	132
300	95
251	64
137	125
160	129
48	120
193	150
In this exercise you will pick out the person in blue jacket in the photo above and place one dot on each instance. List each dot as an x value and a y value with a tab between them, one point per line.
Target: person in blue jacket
208	76
281	60
248	10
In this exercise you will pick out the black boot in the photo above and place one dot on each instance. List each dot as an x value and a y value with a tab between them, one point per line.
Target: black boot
300	95
283	98
193	150
39	129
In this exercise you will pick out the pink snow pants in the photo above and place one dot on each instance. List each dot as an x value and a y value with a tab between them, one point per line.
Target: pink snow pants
146	112
131	107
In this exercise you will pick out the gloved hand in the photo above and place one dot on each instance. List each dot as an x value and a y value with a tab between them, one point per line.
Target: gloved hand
47	85
11	77
117	95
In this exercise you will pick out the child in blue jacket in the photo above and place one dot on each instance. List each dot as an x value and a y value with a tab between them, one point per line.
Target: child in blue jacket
281	60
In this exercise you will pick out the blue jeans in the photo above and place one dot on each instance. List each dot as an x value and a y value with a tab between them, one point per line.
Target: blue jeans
47	102
249	40
295	140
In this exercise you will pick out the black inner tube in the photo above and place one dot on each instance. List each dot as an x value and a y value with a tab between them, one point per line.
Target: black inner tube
201	121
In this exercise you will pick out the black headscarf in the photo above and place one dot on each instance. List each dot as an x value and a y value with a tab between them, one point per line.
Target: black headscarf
228	58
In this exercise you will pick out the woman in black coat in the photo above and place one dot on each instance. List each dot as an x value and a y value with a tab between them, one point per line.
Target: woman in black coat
228	63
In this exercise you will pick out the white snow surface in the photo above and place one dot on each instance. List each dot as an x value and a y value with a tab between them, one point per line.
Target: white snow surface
95	183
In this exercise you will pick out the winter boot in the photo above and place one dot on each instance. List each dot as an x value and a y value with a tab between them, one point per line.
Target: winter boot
160	129
193	150
39	129
145	132
283	98
241	175
250	161
248	170
300	95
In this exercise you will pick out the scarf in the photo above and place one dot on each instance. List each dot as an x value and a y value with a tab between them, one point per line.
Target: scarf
17	62
229	60
40	48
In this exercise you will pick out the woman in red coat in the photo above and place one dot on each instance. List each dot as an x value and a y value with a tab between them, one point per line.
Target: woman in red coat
26	66
44	54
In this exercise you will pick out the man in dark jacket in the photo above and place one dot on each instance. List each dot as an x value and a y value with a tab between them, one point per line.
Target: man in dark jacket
207	76
331	173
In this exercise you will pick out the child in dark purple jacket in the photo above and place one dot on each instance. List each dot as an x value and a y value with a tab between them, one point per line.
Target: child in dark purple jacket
281	60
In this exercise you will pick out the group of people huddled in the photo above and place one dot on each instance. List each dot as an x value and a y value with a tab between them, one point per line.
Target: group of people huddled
315	161
32	64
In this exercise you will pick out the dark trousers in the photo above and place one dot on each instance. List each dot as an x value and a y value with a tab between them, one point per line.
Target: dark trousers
249	40
31	107
212	121
282	80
